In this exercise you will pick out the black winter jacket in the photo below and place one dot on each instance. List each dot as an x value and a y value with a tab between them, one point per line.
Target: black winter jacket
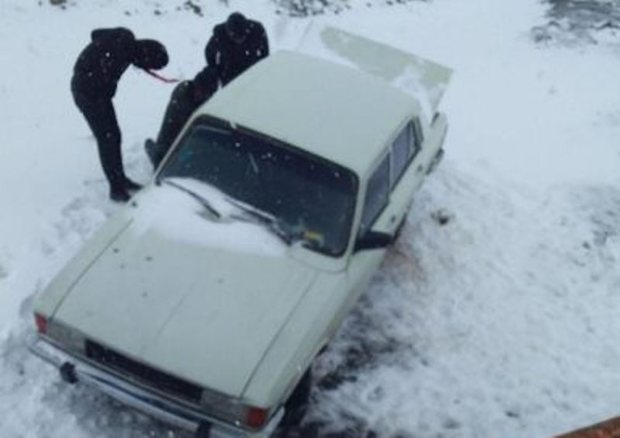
230	59
102	63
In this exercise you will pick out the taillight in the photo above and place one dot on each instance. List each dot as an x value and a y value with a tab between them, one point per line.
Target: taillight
41	322
256	417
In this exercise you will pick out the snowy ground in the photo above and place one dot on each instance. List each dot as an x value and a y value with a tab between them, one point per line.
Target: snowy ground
495	315
576	21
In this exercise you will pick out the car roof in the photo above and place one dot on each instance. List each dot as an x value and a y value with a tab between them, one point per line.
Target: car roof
334	111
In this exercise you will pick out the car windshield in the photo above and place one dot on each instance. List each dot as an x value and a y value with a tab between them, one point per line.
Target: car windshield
311	199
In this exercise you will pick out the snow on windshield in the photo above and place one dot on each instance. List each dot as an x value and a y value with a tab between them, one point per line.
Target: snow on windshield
309	198
178	216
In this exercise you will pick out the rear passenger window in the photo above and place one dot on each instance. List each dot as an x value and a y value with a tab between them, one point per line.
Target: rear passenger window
404	148
377	194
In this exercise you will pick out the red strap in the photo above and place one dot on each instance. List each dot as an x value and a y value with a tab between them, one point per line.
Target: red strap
161	78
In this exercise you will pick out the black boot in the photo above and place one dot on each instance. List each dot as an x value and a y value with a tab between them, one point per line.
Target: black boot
131	186
119	194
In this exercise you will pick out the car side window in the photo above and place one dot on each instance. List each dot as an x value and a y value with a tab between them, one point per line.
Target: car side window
404	149
416	138
377	194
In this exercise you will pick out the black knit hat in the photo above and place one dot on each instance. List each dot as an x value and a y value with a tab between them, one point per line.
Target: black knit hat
236	25
150	55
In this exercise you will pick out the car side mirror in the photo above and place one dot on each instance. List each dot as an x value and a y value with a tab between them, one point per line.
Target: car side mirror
372	240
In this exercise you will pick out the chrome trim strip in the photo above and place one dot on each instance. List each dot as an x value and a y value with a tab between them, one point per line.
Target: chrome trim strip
141	399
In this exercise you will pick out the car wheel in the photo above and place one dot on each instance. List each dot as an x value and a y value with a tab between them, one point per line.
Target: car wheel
297	404
67	373
203	431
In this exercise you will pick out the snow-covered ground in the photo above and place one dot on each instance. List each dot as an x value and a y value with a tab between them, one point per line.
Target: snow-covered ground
495	315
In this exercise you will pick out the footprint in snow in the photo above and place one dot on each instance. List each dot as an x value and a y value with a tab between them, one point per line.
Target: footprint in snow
442	217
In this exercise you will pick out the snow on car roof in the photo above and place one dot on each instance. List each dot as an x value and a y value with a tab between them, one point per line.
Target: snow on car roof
339	113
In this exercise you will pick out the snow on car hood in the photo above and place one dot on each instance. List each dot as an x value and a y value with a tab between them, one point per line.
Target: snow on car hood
199	299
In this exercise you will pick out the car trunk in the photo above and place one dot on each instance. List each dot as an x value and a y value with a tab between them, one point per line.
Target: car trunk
419	77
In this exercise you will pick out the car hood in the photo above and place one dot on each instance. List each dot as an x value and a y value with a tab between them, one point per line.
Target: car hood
198	299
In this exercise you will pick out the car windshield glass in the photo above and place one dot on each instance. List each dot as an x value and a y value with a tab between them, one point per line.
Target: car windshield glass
311	199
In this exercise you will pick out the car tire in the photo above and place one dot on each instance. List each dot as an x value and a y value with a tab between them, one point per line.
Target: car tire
67	373
203	431
297	404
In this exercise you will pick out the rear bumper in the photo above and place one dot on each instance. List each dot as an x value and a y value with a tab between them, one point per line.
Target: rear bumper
142	399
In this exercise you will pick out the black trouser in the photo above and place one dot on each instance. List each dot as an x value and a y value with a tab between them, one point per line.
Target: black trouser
101	117
181	106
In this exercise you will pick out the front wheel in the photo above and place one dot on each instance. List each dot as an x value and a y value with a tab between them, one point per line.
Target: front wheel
297	404
203	431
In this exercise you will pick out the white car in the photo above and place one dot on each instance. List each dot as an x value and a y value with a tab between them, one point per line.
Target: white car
204	301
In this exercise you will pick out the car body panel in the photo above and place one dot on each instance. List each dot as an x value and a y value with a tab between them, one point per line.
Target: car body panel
63	283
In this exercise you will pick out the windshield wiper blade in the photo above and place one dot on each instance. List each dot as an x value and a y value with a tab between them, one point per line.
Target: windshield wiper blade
203	201
260	217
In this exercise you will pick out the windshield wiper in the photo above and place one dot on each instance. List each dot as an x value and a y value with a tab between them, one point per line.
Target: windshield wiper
257	216
203	201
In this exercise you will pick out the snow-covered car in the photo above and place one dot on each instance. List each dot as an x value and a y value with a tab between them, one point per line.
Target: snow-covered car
204	301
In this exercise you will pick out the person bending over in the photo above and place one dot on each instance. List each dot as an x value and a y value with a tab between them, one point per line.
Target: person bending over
96	73
186	97
235	45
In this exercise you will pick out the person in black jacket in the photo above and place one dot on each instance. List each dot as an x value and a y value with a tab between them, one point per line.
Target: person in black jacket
95	77
236	44
185	99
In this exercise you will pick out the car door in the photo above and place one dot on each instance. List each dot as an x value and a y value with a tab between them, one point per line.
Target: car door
376	208
387	199
408	169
